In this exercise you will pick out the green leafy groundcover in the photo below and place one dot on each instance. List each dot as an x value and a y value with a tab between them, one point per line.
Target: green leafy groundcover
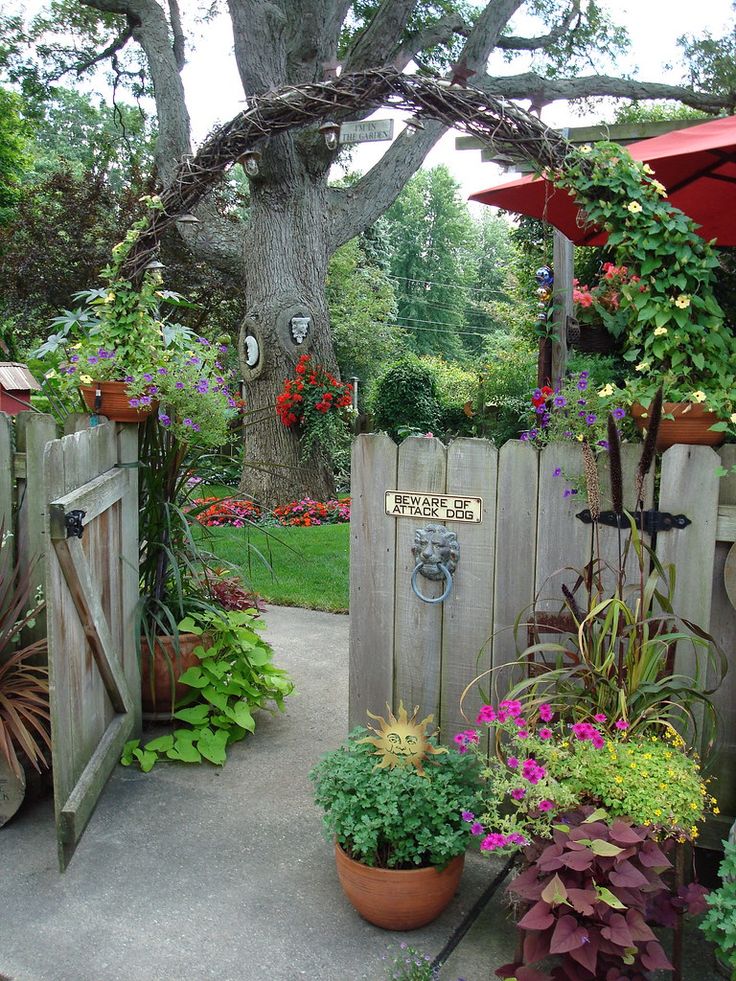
235	677
395	818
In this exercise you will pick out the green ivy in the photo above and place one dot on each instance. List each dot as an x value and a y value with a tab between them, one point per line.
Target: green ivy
234	678
676	334
719	923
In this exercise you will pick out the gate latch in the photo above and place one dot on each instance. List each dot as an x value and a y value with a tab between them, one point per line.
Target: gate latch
73	522
647	521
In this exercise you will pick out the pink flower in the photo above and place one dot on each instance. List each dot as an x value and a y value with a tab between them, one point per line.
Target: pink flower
621	724
545	805
600	717
512	707
545	713
520	723
476	828
545	733
487	714
518	793
598	741
522	734
512	762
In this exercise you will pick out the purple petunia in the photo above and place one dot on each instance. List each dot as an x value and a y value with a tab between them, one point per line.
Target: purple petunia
164	419
202	386
557	472
569	492
618	413
560	401
591	418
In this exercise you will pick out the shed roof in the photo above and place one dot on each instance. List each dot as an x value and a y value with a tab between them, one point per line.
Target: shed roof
16	377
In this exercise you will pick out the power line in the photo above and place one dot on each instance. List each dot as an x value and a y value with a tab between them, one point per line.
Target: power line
465	333
453	286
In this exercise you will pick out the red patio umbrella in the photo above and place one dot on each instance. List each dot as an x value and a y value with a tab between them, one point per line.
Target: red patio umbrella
697	165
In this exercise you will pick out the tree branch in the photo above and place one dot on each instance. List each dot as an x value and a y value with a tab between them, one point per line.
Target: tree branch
354	208
177	31
438	33
512	43
370	46
151	31
529	85
117	45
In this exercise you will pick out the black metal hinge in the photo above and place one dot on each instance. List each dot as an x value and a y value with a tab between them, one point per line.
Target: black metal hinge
647	521
73	522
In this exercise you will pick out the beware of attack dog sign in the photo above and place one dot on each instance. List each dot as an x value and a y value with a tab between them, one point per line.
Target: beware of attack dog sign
440	507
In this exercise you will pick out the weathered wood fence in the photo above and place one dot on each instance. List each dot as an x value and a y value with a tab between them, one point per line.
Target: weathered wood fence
88	572
426	654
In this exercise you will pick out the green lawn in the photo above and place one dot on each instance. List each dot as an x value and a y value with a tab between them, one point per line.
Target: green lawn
290	566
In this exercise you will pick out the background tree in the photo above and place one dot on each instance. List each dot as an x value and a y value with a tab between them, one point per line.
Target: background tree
295	221
434	249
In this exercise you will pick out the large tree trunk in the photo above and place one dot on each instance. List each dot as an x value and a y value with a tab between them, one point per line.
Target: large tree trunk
285	258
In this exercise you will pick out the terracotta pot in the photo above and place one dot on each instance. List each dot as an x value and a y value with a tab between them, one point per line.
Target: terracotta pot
114	402
157	701
691	424
398	899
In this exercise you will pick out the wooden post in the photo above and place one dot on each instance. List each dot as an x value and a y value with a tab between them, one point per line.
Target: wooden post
562	262
6	472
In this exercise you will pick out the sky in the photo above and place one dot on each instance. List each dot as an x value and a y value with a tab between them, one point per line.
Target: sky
214	93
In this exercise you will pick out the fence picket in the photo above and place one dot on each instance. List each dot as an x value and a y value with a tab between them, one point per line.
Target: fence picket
372	536
33	431
418	625
6	472
467	624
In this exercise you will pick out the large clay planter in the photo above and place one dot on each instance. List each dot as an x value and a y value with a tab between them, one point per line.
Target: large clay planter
157	702
114	402
398	899
691	424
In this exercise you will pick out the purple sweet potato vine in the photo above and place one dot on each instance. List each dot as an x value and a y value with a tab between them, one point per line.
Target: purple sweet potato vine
590	892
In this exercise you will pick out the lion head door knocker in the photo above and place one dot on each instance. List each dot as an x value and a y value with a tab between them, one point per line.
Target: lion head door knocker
436	553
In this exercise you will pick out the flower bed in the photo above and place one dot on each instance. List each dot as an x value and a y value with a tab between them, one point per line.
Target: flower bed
217	512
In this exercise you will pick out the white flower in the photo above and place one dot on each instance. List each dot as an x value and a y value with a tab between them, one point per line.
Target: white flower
606	391
659	188
682	301
660	331
698	396
634	207
642	366
733	417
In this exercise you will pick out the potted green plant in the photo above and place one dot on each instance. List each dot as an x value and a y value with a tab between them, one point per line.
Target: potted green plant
390	801
676	334
24	691
231	678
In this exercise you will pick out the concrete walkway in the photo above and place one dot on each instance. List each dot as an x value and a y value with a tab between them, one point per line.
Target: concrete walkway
199	872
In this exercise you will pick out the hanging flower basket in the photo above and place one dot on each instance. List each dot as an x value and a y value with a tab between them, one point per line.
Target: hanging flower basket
114	402
691	424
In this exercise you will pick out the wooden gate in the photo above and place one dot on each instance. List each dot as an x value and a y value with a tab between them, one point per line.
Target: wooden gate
92	592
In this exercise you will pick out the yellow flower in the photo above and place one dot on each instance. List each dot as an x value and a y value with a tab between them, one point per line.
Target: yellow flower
565	744
110	297
663	786
733	417
76	347
698	396
85	379
647	169
586	148
682	301
716	810
643	366
51	373
606	391
694	832
693	806
580	437
660	331
632	766
659	188
634	207
618	779
657	811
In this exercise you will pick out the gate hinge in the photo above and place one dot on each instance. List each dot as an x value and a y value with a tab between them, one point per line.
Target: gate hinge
73	522
648	521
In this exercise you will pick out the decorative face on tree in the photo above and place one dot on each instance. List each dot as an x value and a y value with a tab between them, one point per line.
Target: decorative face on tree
402	741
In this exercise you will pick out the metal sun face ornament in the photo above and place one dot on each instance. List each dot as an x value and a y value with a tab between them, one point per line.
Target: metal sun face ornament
402	741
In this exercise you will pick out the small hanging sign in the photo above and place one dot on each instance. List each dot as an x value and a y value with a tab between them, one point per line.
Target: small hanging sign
441	507
367	131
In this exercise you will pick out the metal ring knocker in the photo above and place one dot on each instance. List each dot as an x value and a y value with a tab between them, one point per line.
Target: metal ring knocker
436	553
448	583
